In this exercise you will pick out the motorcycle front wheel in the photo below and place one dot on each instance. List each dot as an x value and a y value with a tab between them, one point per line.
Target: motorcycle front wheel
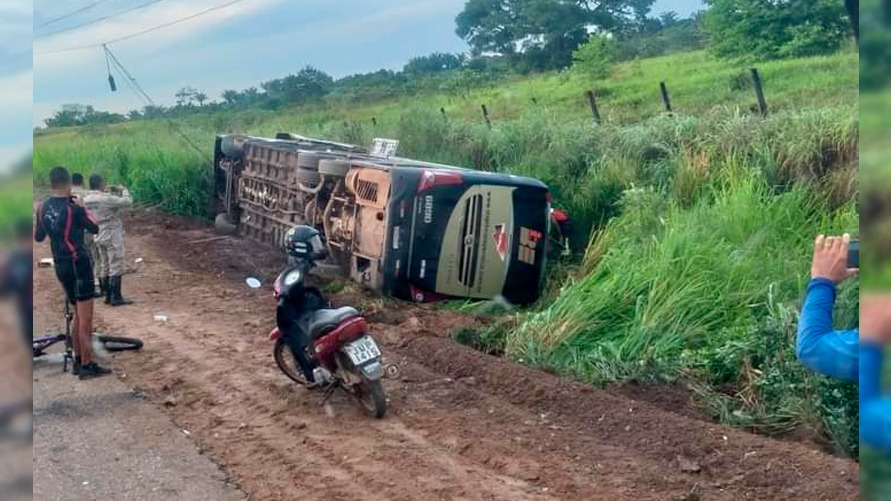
370	395
287	363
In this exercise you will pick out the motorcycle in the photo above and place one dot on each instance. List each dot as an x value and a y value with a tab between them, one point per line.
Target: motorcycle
338	342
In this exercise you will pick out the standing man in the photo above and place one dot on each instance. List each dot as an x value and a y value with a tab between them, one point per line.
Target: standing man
77	185
64	218
110	241
77	188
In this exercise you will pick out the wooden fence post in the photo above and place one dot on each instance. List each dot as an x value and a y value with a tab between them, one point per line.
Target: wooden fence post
593	103
759	92
486	115
665	99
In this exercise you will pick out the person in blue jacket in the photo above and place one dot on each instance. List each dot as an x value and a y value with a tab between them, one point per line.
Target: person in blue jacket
845	354
819	347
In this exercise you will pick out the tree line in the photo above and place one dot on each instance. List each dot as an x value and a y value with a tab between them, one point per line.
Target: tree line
529	36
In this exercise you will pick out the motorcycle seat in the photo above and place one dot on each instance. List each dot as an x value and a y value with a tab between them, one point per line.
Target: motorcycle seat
324	320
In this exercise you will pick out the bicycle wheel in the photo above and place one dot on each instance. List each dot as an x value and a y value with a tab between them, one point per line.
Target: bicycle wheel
118	343
39	345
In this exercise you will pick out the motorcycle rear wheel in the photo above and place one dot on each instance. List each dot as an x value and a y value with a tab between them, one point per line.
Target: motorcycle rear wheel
286	362
370	395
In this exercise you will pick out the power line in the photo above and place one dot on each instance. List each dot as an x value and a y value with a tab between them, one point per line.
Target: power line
72	13
143	32
102	18
147	100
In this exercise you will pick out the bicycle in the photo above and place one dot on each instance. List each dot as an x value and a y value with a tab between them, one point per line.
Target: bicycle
39	345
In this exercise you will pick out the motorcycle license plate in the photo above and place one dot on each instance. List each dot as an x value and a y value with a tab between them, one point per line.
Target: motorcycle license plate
362	350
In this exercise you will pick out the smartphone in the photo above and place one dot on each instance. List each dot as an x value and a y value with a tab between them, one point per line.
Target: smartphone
854	254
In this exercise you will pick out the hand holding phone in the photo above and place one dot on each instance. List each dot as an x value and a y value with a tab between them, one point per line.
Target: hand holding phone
831	258
854	254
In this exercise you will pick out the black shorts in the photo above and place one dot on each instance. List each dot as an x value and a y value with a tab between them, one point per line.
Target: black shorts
77	279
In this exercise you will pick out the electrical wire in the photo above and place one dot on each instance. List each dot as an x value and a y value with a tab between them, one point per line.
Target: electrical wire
148	101
99	19
72	13
143	32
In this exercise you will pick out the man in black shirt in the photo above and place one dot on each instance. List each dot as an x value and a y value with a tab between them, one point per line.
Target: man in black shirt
64	218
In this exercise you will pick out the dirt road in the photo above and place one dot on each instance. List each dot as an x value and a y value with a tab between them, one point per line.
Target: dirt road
461	426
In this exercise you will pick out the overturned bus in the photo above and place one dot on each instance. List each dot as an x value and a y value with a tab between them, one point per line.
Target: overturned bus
414	230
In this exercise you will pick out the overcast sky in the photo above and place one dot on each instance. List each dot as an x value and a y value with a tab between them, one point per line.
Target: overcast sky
15	80
234	47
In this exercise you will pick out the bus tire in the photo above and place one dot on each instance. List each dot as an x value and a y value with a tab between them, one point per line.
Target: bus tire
233	145
335	168
308	161
307	177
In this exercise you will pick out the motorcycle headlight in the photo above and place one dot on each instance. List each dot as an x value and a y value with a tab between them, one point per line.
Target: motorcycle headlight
292	278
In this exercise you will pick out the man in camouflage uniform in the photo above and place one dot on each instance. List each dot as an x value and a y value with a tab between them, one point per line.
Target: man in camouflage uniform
106	206
77	189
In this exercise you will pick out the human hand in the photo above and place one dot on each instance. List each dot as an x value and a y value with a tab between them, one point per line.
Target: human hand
831	258
875	318
78	201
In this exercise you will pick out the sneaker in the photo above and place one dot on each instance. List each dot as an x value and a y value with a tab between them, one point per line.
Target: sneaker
92	370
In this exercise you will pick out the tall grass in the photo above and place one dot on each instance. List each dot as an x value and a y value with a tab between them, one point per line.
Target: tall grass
15	205
704	293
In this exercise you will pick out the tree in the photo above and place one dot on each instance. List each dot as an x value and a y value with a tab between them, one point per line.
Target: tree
186	96
200	97
875	59
596	57
665	35
771	29
853	8
308	85
73	115
230	97
543	33
153	111
433	63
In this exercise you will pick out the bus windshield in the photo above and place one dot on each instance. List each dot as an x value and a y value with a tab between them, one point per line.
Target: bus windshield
468	234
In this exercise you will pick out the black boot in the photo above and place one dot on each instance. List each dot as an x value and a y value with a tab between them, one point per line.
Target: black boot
107	290
75	367
117	299
103	288
91	370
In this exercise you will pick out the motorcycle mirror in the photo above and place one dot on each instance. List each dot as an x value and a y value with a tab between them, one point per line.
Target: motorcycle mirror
253	283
